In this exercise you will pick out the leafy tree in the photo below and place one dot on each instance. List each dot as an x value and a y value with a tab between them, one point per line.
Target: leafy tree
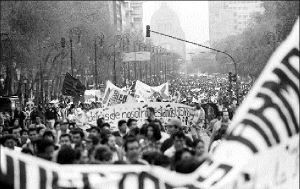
252	48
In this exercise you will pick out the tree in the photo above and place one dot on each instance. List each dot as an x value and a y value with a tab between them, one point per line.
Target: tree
252	48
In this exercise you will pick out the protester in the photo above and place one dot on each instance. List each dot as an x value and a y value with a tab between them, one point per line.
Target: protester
179	143
122	126
132	149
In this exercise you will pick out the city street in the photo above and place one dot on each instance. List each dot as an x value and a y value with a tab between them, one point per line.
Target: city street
149	94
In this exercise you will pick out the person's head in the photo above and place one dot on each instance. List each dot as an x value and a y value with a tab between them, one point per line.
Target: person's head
159	124
91	141
32	134
77	136
24	135
153	132
179	140
111	142
183	154
48	134
64	126
66	155
150	113
134	132
45	149
131	123
122	125
187	165
132	148
9	141
16	131
173	126
57	125
95	131
199	147
225	117
103	154
100	122
38	120
106	126
16	122
65	140
197	106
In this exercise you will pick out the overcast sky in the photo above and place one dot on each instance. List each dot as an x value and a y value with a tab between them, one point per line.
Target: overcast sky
193	16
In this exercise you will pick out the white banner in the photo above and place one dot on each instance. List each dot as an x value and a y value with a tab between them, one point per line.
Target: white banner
146	93
163	110
114	95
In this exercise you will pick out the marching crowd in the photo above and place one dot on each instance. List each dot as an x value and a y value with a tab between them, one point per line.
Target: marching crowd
55	134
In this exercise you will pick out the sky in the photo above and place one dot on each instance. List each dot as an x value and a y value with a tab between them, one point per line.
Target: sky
193	16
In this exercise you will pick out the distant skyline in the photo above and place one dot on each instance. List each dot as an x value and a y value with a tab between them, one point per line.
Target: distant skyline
193	16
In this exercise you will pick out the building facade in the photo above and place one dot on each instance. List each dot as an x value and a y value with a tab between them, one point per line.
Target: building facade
126	15
166	21
137	15
230	17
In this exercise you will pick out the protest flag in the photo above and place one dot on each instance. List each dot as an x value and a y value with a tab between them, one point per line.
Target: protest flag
72	86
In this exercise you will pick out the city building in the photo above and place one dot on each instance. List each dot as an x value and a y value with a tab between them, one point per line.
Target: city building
166	21
136	15
126	15
230	17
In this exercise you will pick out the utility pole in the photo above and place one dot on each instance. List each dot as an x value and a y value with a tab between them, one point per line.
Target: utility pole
115	74
96	72
71	46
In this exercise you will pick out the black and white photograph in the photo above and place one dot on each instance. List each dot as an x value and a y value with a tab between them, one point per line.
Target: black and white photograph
149	95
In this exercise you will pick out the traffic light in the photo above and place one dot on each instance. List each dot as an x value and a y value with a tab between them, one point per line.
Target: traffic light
147	31
63	42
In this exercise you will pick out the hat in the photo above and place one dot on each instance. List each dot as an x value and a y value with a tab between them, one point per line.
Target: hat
174	122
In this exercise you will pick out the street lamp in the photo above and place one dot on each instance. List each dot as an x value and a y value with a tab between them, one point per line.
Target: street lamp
98	40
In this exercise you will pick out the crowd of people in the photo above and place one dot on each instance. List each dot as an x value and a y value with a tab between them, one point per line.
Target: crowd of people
151	143
56	135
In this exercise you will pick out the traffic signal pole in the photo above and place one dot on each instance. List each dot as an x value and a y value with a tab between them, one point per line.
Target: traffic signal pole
148	30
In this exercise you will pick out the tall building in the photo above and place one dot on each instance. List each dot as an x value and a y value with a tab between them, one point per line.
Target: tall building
116	12
126	15
137	15
166	21
230	17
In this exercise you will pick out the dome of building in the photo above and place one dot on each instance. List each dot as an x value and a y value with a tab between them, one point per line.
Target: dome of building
165	13
166	21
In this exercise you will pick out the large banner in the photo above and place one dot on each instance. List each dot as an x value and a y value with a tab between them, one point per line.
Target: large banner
114	95
163	111
145	92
